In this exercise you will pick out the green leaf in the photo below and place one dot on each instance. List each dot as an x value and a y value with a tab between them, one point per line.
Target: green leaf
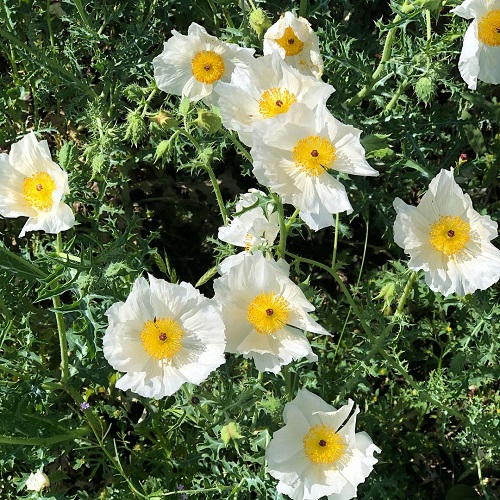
230	431
208	275
68	155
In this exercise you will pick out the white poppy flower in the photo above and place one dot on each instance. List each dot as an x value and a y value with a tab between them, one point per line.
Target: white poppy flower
264	91
480	56
251	229
448	239
33	186
37	481
318	452
294	154
264	312
162	336
295	41
190	65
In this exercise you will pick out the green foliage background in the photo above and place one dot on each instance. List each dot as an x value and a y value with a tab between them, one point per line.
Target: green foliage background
427	381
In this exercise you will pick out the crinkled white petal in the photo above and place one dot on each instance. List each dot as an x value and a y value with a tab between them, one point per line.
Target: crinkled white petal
239	100
173	67
299	477
475	267
308	60
29	157
203	341
234	292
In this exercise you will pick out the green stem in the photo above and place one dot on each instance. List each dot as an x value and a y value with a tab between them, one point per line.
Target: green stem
210	172
428	23
238	144
396	96
148	100
386	54
61	328
83	14
406	294
47	441
190	492
283	228
288	382
49	25
342	286
335	240
291	220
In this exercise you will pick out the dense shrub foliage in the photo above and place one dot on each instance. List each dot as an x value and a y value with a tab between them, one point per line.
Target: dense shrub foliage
423	368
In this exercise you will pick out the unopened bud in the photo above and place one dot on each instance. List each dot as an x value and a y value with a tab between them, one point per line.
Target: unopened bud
208	122
425	89
463	158
136	128
259	21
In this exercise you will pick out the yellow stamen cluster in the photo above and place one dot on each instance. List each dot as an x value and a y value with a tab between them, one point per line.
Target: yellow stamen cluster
314	154
450	234
275	101
488	28
322	445
37	191
207	66
162	338
268	313
290	42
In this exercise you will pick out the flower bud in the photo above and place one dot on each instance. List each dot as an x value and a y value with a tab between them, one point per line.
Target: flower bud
208	122
425	89
259	21
136	128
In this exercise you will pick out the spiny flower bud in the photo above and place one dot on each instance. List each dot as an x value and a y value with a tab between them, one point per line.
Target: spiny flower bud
164	119
259	21
136	127
425	89
208	122
163	150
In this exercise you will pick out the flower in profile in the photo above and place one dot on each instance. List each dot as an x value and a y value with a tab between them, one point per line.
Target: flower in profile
296	42
190	65
33	186
250	228
37	481
265	312
318	452
295	155
448	239
267	89
480	56
162	336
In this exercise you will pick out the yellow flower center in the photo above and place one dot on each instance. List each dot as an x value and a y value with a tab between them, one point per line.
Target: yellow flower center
249	240
450	234
488	29
162	338
314	154
37	191
207	66
290	42
322	445
275	101
268	313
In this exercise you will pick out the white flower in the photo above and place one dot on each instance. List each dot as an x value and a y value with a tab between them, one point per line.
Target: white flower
448	239
318	452
264	91
295	41
33	186
294	155
251	229
37	481
190	65
264	312
162	336
480	57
